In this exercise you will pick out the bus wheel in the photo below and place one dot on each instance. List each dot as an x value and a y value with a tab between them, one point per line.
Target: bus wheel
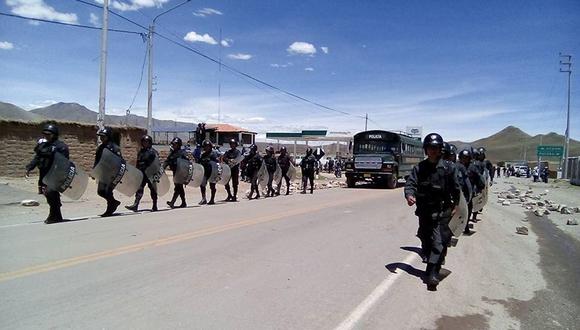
392	182
350	182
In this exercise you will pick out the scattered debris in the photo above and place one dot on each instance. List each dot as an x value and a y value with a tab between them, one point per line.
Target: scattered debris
572	222
566	210
522	230
29	202
505	203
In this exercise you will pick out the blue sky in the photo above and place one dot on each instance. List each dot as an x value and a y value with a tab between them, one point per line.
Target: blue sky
465	69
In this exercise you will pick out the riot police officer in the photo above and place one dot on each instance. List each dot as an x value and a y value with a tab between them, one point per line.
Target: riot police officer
207	157
271	164
43	158
145	158
176	152
231	157
284	161
472	182
308	165
434	187
105	190
253	162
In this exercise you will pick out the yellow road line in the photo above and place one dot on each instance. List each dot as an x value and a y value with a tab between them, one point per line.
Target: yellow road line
59	264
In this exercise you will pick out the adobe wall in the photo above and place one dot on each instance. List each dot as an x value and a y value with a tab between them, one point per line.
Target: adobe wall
18	139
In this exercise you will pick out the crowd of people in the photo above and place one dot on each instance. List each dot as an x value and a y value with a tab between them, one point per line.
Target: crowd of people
267	169
436	186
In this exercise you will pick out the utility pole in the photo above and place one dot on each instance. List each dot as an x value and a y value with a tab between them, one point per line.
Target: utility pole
219	79
103	83
366	120
566	67
150	68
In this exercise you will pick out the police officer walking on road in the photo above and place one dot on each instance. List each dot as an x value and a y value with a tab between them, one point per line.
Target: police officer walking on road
270	162
43	158
252	163
171	161
308	166
207	157
474	182
434	187
145	158
105	190
229	157
284	161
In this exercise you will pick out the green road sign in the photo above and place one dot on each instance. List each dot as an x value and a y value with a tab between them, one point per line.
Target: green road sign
550	151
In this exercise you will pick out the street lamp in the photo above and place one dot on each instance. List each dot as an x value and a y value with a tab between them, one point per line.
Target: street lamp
150	67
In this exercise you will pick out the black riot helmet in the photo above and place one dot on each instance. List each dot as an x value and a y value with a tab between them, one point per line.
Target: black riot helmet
177	141
253	148
446	150
283	150
481	151
475	153
147	138
465	154
308	151
452	149
233	143
106	132
434	140
270	149
206	144
50	129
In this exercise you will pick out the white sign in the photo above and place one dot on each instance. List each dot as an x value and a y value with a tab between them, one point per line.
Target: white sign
416	131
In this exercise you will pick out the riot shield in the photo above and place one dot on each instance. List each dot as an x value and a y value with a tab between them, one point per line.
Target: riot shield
480	199
113	170
198	175
183	171
226	174
263	176
66	178
459	220
291	172
278	173
157	177
236	161
214	176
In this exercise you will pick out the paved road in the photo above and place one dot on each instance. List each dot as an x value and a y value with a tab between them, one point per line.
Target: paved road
339	259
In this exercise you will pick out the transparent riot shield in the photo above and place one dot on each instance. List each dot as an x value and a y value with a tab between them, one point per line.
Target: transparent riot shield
157	177
263	176
183	171
214	176
66	178
236	161
459	220
226	174
486	189
480	199
198	175
278	174
113	170
291	172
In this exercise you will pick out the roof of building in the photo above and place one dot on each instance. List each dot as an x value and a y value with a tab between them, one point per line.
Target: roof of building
227	128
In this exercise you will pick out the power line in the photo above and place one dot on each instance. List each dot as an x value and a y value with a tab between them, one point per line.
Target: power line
230	68
70	24
140	81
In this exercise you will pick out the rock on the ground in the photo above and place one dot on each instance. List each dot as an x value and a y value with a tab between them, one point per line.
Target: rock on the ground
522	230
572	222
29	202
566	210
505	203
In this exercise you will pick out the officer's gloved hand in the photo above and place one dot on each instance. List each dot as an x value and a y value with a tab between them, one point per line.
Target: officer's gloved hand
411	200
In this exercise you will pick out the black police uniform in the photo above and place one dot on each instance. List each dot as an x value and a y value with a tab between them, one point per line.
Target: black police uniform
105	190
308	166
145	158
436	189
270	162
284	162
171	162
229	156
253	162
205	160
43	158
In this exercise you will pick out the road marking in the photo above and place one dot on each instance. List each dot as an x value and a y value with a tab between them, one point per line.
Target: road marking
355	316
59	264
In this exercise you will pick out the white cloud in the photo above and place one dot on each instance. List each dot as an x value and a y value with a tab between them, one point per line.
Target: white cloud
207	12
227	42
301	48
324	49
194	37
5	45
39	9
309	69
95	20
276	65
133	5
240	56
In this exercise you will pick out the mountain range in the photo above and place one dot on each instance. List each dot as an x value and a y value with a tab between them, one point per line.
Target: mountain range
509	144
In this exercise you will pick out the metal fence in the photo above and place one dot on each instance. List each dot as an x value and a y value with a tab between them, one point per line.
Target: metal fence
573	173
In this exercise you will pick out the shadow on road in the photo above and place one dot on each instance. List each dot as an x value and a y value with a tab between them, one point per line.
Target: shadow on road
415	249
392	267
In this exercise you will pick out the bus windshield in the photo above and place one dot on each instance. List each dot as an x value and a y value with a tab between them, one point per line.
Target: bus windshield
374	146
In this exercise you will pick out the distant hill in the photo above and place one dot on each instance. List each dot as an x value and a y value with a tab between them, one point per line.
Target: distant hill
512	143
79	113
11	112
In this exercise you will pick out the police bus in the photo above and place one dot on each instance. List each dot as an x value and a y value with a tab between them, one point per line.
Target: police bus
382	157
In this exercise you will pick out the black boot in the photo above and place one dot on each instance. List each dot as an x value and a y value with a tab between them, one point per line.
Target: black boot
154	207
171	203
432	277
111	208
